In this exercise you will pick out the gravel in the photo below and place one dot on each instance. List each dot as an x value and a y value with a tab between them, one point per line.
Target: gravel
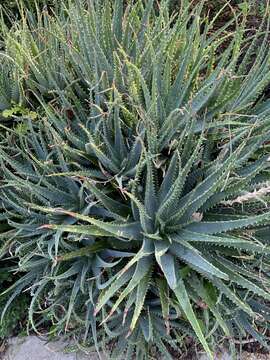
35	348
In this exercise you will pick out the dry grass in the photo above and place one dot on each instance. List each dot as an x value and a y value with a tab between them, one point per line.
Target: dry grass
256	195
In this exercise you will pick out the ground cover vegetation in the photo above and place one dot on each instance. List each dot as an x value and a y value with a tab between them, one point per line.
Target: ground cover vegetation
135	184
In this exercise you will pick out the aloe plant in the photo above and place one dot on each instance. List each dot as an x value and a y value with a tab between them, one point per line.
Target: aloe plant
164	246
123	201
10	85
